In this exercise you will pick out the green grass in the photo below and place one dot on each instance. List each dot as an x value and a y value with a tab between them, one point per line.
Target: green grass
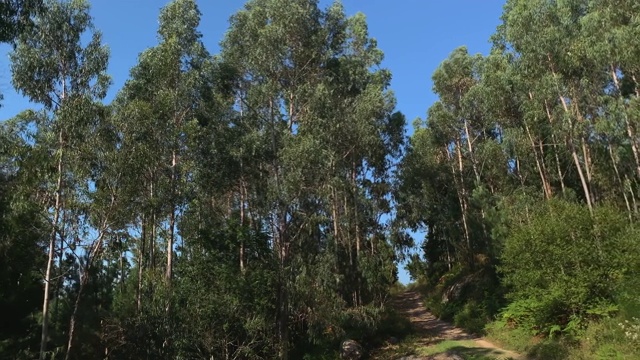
464	348
600	340
414	345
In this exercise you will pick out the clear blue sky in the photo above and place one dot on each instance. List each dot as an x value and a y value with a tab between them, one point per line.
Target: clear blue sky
415	35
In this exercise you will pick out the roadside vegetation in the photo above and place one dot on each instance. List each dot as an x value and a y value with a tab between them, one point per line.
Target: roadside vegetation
524	176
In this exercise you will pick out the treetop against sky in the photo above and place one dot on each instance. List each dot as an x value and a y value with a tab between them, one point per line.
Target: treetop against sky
414	35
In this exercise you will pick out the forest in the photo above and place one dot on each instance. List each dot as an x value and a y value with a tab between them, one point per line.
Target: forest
255	203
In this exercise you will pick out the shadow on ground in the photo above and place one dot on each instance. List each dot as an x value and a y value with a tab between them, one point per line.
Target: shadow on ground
435	339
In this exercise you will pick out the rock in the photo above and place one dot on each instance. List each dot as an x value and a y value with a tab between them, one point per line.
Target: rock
454	291
351	350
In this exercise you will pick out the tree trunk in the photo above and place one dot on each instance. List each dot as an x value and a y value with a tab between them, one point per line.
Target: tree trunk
546	186
242	201
96	247
583	180
474	164
172	218
354	186
555	148
52	242
633	195
460	189
622	187
630	131
143	239
576	160
152	239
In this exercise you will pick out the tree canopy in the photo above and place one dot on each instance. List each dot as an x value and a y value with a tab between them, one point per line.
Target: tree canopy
255	204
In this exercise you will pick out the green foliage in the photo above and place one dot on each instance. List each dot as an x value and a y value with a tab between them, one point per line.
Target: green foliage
582	266
261	175
471	318
20	260
469	301
15	17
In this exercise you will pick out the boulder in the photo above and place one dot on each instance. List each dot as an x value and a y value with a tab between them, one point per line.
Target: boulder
351	350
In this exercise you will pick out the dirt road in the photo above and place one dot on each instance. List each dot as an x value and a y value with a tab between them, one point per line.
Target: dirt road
438	340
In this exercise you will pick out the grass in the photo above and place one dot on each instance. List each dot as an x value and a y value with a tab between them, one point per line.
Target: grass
600	340
417	346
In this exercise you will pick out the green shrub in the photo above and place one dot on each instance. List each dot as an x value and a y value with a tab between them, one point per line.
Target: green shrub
564	266
519	339
549	350
613	338
394	324
471	318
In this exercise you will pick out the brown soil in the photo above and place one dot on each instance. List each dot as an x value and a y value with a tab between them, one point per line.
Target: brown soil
431	330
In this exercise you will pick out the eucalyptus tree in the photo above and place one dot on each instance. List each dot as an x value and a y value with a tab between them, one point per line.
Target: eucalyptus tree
563	80
154	114
15	17
311	90
51	66
611	48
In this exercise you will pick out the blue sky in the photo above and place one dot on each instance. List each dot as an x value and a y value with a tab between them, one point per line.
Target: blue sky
415	35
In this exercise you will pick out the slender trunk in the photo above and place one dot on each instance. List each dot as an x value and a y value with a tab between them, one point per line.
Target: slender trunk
544	167
281	247
242	201
170	241
633	195
152	239
576	160
143	239
60	278
283	322
334	213
474	164
586	155
461	190
519	172
358	287
449	260
52	242
546	186
635	86
555	148
558	167
283	291
583	180
84	280
122	273
172	218
291	119
630	131
622	187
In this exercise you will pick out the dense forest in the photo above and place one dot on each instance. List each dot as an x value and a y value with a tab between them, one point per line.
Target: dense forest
254	204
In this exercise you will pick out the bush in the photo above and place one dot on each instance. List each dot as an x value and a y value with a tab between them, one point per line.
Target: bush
613	338
471	318
564	267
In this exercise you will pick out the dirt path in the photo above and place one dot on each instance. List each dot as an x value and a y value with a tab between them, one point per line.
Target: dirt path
438	340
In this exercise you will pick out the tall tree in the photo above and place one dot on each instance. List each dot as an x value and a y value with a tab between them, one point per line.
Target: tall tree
311	89
160	101
53	67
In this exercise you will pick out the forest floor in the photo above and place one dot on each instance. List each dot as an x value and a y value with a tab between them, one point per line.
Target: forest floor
435	339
